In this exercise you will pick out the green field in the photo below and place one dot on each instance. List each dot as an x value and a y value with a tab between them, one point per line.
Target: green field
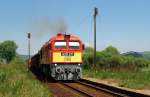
129	79
131	69
15	81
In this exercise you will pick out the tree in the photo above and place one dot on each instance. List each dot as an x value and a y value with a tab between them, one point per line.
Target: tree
8	50
88	57
88	50
112	50
115	61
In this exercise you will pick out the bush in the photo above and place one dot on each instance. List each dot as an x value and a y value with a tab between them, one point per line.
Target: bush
110	58
2	76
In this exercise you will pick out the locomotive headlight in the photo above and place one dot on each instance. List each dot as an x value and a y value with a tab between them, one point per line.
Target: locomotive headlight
79	64
55	64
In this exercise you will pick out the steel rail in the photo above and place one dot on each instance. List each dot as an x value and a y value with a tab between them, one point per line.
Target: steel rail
81	92
113	89
103	89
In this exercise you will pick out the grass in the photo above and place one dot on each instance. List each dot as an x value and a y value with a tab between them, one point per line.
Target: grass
129	79
15	81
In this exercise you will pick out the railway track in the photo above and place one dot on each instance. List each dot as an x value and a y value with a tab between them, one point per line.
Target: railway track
84	88
117	92
91	91
73	89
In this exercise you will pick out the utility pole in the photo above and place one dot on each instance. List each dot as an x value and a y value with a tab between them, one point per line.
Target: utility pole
95	14
29	36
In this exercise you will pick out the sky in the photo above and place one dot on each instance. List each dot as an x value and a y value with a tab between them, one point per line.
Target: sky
124	24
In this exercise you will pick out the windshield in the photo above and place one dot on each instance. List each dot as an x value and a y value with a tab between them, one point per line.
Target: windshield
60	45
74	45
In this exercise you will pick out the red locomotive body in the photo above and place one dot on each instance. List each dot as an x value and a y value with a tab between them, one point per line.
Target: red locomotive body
60	57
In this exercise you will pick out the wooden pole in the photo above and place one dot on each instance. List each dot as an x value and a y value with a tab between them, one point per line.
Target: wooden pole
95	14
29	59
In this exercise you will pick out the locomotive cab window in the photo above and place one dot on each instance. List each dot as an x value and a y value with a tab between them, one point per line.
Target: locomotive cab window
74	45
60	45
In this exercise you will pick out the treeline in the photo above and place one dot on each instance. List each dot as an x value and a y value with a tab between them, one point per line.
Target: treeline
111	59
7	51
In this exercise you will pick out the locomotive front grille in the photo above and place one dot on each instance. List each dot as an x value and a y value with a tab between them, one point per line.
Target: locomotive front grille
66	72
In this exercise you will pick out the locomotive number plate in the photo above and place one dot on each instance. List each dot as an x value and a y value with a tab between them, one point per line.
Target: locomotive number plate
67	53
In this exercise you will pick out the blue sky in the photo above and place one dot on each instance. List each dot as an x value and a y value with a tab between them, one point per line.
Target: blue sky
124	24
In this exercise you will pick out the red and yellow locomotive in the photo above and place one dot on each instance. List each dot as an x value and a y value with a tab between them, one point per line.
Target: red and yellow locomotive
60	57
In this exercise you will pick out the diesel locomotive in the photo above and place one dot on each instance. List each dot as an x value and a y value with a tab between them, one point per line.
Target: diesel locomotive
60	57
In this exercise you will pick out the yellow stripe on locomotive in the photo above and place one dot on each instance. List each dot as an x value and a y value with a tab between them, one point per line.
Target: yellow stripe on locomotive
67	57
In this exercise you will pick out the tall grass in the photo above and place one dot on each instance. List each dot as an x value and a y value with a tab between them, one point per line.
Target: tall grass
15	81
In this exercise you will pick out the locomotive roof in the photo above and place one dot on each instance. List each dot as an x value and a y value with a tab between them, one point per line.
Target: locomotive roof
61	37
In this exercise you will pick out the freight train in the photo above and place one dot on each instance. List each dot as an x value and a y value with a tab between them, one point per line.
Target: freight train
60	57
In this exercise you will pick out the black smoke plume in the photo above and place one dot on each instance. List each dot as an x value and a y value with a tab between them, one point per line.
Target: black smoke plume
46	26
